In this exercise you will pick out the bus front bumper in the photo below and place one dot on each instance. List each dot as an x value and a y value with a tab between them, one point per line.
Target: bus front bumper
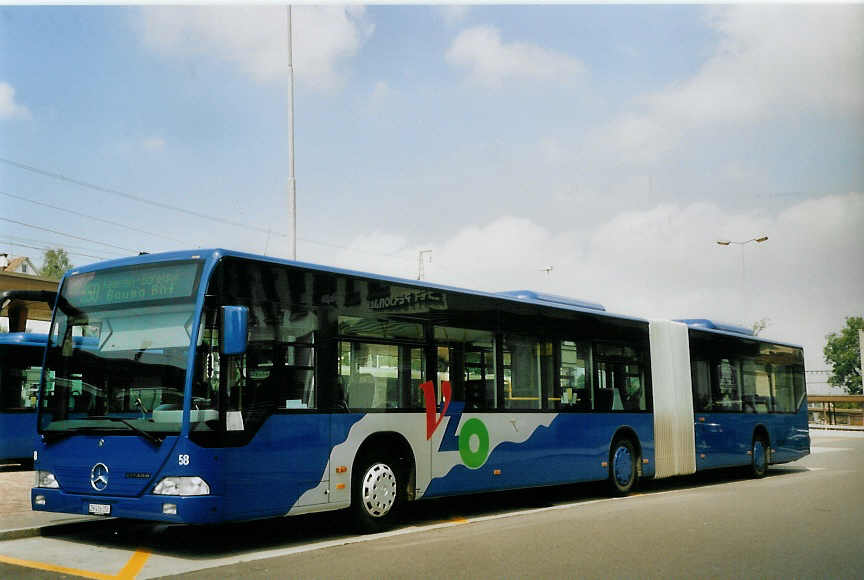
203	509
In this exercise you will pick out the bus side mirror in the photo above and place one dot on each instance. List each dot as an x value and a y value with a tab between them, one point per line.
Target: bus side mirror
235	322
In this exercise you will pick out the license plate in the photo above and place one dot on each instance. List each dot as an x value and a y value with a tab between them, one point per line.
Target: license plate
100	509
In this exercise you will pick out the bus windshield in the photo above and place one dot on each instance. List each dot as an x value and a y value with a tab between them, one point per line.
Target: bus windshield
117	351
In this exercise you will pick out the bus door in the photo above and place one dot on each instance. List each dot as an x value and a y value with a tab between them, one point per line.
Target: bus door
277	440
717	406
464	359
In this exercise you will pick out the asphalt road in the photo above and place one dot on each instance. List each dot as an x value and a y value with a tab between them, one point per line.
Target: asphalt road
804	520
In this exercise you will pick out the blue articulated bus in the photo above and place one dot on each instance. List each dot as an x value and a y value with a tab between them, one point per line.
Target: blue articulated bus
219	386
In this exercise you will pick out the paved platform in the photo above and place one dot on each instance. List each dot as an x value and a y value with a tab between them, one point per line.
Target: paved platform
17	520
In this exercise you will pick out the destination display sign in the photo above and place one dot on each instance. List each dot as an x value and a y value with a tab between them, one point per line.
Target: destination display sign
124	285
409	301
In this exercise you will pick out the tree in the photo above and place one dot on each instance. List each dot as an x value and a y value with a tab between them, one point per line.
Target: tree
842	352
55	263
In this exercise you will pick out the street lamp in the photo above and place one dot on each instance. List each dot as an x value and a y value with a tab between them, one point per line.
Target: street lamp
758	240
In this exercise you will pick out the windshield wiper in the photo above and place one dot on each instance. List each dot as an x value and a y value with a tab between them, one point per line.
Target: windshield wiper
155	439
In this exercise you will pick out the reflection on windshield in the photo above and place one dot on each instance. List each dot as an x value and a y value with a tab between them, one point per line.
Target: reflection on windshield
117	370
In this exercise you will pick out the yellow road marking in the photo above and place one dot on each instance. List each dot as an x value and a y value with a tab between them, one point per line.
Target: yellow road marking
129	571
458	520
133	566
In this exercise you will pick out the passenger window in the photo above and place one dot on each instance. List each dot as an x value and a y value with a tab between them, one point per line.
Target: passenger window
755	386
784	389
574	392
621	384
466	358
381	376
701	376
528	368
727	389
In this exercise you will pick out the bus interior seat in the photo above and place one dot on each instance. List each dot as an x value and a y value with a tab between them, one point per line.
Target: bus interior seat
361	391
392	399
474	394
604	399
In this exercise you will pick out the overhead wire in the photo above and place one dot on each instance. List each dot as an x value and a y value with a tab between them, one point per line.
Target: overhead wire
88	216
18	240
113	191
26	225
139	199
70	252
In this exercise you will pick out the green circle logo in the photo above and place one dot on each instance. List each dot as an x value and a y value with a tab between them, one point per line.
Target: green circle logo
471	428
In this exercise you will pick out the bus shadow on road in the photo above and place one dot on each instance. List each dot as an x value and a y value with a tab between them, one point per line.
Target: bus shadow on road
13	467
231	539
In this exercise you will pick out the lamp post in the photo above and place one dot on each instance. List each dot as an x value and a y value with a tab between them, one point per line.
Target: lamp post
292	184
758	240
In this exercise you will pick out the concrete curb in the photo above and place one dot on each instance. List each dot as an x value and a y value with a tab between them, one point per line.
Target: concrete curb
837	428
48	529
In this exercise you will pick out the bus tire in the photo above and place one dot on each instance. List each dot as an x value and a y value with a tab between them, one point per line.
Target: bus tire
759	457
376	494
623	467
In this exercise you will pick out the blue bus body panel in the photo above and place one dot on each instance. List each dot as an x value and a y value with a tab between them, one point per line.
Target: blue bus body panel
725	439
572	449
286	458
17	434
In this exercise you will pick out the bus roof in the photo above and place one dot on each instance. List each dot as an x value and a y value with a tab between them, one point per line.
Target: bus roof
716	327
518	296
213	254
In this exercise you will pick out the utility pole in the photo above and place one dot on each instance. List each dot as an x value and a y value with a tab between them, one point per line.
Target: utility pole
420	270
292	185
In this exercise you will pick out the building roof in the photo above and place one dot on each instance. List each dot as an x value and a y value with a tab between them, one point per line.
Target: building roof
16	263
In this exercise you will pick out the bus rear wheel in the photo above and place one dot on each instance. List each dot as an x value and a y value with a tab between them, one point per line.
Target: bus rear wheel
623	467
759	457
376	494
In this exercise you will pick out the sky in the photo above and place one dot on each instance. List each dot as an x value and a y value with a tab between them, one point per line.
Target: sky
593	151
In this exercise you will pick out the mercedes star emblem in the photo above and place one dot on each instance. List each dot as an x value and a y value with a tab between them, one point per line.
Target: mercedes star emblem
99	477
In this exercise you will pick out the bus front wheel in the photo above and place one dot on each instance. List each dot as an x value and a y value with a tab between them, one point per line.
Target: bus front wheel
375	494
623	468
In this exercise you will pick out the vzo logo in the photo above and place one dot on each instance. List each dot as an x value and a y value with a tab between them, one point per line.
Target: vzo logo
473	456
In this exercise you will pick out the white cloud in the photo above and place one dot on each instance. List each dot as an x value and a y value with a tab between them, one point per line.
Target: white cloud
255	38
153	144
489	61
771	61
664	262
9	109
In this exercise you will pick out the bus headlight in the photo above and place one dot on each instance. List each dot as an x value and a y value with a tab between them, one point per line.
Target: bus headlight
46	479
182	486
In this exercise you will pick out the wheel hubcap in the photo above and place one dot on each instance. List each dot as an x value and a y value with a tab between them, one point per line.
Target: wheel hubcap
379	490
623	462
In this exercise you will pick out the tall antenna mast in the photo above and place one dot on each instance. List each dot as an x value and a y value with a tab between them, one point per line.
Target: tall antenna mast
292	185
